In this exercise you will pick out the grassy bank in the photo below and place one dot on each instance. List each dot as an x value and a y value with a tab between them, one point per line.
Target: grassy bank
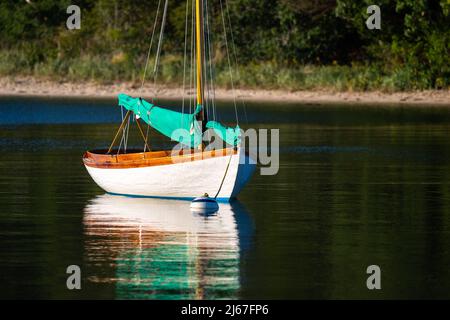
267	75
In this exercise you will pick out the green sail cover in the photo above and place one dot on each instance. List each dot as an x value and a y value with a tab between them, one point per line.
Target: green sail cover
170	122
227	134
166	121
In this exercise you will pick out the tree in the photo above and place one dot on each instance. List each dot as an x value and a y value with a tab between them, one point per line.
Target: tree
415	35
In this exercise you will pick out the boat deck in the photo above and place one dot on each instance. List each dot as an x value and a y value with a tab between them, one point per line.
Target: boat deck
137	159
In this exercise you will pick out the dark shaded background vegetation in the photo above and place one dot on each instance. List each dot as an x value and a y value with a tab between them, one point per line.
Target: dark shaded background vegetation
292	44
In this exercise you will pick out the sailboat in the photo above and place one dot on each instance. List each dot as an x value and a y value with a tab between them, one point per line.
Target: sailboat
191	170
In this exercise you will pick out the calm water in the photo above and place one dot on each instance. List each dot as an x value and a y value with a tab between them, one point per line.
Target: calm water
356	186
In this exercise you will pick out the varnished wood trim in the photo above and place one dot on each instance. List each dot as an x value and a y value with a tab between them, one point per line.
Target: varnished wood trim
99	159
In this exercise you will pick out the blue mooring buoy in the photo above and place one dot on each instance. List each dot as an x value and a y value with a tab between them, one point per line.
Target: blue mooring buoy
204	204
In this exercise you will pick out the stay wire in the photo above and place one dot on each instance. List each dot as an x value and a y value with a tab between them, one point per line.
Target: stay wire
185	57
229	62
236	64
147	63
211	64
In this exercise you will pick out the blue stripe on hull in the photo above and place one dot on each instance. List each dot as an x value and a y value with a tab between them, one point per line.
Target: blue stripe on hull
165	198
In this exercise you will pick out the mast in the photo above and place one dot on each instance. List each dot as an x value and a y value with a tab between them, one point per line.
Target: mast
199	50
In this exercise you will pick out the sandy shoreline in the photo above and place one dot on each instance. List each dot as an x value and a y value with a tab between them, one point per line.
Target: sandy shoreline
35	87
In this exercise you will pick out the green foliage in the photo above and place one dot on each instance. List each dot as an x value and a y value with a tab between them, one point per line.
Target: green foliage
292	44
414	40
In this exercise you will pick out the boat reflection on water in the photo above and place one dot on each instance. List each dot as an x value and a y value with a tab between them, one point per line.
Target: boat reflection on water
159	249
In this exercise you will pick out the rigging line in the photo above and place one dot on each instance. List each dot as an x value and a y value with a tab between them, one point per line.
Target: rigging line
120	145
158	51
205	59
127	128
150	48
147	62
143	136
161	36
121	111
194	61
204	73
184	58
225	174
123	139
235	58
210	63
229	62
191	102
146	135
127	116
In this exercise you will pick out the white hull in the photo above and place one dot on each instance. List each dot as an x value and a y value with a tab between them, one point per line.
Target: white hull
185	180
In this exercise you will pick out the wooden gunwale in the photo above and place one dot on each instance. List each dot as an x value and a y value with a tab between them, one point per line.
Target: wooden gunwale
99	158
